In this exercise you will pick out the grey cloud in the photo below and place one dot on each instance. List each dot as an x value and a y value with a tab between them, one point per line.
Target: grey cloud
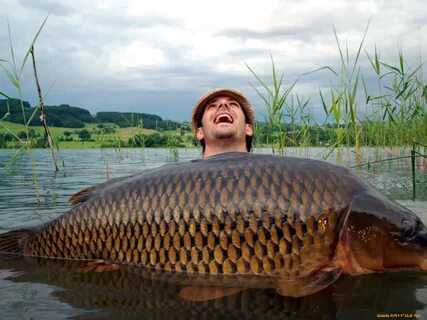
49	6
317	26
308	32
119	20
291	32
247	53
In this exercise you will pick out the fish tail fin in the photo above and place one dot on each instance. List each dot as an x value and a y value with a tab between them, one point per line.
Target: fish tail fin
13	242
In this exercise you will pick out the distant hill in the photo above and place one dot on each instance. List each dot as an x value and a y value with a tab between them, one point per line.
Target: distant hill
14	105
133	119
72	114
57	116
74	117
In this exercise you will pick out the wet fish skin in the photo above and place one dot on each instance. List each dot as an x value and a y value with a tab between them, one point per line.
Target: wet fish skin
248	215
301	222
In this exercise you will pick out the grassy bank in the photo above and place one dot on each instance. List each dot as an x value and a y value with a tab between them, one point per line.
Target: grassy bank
372	134
93	136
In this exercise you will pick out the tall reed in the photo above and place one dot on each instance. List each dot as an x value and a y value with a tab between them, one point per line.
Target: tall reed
392	114
344	97
14	73
399	107
274	97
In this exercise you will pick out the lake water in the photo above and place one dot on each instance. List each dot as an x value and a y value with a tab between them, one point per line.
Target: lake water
31	193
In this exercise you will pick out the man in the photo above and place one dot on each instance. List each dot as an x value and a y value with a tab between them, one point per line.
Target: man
223	121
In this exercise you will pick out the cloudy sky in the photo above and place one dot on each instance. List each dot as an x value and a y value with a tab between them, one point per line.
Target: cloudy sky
161	56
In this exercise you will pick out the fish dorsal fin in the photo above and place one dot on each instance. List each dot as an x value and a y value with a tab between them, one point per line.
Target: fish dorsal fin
207	293
87	193
300	287
81	196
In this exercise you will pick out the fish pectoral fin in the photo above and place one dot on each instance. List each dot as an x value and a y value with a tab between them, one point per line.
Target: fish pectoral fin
311	284
207	293
99	266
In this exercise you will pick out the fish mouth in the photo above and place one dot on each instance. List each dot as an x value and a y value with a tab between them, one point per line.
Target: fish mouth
413	241
223	118
419	242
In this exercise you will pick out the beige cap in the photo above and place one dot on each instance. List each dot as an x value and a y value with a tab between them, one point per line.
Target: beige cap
239	97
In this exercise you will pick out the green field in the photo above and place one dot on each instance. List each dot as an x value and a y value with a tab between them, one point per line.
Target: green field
98	138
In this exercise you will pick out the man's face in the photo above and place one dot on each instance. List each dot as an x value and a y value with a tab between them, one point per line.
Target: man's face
223	118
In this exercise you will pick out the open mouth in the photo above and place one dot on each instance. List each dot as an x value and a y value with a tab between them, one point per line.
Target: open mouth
223	118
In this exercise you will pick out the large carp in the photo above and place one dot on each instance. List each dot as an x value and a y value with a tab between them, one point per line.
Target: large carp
288	223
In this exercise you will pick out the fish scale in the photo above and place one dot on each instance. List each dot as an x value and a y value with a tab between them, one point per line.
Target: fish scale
256	214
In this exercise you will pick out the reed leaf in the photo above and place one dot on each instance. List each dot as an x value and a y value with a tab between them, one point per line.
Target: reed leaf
27	54
375	61
13	79
12	51
359	50
37	108
339	46
322	99
4	95
260	81
393	68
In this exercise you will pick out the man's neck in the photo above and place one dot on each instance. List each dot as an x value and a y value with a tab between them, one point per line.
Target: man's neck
224	147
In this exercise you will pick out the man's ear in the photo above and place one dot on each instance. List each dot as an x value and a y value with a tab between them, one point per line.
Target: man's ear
200	134
249	131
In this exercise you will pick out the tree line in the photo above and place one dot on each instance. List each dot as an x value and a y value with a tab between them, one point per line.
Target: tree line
64	115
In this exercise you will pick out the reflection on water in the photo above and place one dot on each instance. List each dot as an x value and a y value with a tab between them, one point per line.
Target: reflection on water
126	294
48	289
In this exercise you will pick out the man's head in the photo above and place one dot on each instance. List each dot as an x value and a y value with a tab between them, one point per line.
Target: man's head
223	116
